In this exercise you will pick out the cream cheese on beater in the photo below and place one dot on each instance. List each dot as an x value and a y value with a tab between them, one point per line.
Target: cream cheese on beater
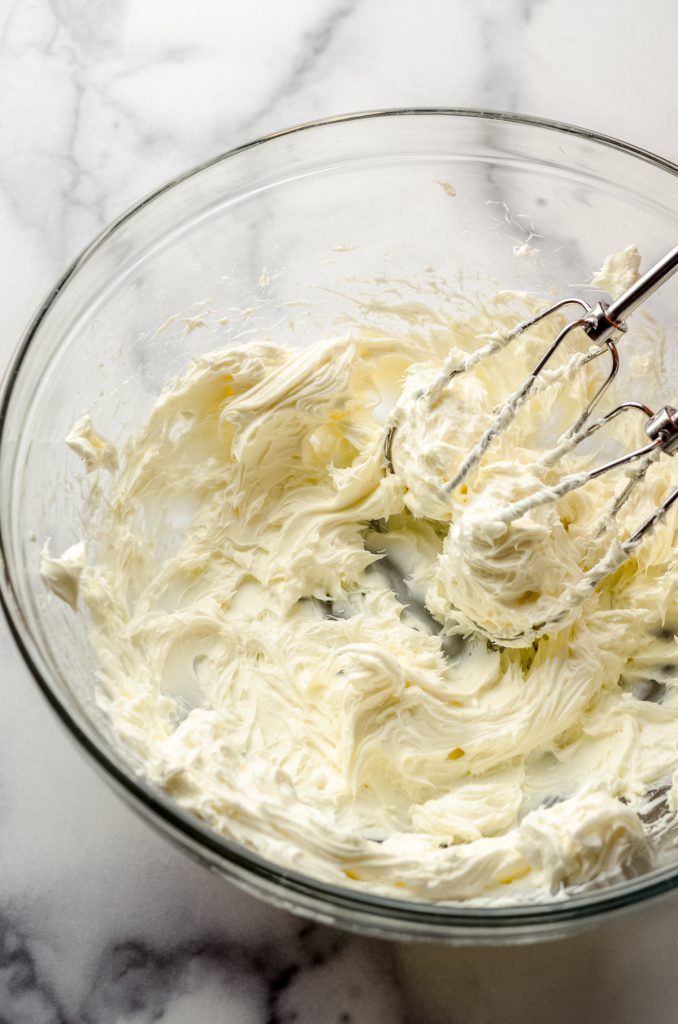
259	655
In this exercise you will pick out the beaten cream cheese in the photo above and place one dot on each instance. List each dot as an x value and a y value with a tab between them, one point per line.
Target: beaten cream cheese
260	655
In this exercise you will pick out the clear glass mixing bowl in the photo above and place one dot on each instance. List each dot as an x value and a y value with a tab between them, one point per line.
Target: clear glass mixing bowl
284	237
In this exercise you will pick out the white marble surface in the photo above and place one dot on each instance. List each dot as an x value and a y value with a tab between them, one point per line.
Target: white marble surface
101	922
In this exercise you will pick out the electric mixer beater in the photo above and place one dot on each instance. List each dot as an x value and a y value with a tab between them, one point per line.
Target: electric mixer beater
602	323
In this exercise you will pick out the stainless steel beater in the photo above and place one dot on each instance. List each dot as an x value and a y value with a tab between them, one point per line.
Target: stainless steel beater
602	323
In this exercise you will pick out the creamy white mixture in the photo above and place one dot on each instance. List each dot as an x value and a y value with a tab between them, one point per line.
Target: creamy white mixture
260	654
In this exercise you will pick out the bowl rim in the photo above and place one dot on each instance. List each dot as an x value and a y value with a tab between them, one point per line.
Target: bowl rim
292	889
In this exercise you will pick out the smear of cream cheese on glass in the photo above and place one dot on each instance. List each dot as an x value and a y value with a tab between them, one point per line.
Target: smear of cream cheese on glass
261	655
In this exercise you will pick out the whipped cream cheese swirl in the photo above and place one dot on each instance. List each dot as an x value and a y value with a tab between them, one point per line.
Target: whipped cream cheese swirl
261	657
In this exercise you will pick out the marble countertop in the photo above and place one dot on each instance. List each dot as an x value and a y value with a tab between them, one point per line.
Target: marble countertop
101	921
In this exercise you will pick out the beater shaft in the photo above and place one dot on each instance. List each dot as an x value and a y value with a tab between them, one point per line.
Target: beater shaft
605	320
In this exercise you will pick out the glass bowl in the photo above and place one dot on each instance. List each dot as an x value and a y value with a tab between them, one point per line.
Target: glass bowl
285	237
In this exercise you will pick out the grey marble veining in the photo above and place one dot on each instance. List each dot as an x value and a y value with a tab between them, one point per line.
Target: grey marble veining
101	921
316	975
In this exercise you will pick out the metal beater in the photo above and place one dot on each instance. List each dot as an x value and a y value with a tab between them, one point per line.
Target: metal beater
603	323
